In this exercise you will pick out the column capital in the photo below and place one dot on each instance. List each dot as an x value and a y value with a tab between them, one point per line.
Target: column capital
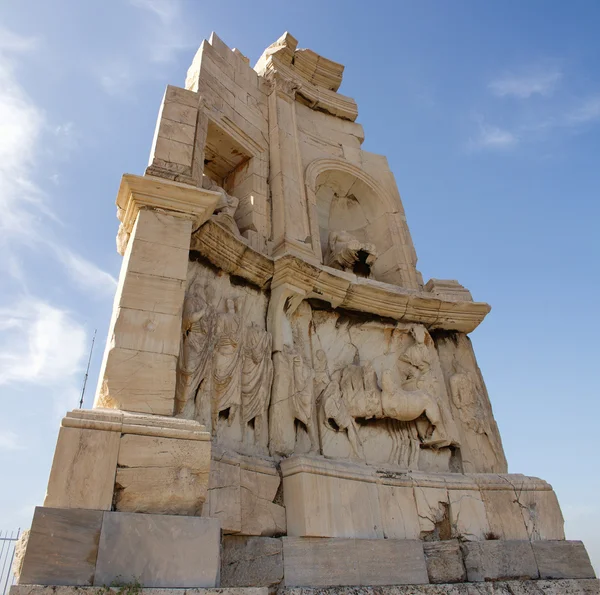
178	199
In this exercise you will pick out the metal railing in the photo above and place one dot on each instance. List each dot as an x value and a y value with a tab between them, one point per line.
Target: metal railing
7	554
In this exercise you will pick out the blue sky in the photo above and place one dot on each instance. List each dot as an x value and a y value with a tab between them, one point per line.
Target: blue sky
489	114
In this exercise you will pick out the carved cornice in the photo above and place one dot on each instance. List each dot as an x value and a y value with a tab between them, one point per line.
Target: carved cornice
393	476
137	192
338	288
232	255
315	97
124	422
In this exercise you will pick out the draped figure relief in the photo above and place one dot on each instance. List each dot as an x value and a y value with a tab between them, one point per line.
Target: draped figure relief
225	370
227	363
193	367
257	377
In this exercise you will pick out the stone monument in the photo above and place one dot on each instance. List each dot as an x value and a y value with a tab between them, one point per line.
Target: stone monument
282	401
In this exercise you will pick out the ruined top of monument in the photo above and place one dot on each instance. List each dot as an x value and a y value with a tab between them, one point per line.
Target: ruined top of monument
306	326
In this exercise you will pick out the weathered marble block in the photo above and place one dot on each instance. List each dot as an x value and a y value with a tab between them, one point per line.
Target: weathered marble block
241	494
562	559
499	560
391	503
251	561
158	550
310	562
62	547
444	561
83	469
162	475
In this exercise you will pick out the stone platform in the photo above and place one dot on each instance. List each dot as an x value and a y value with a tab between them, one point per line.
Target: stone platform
555	587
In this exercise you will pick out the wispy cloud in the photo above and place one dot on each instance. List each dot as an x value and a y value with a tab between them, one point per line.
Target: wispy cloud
9	441
162	33
587	111
525	85
168	28
26	212
40	344
492	137
84	273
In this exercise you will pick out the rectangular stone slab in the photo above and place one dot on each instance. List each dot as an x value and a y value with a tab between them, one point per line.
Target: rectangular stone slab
159	550
83	469
323	562
498	560
251	561
444	561
62	547
562	559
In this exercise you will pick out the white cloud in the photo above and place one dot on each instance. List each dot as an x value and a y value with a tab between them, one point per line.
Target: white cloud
493	137
24	206
167	30
524	86
161	32
85	274
10	41
40	344
9	441
587	111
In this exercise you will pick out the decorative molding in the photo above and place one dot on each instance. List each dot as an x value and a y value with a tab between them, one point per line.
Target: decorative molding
338	288
318	166
315	97
137	192
110	420
391	476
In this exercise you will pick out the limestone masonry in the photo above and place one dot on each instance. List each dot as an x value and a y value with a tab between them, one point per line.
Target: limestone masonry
283	403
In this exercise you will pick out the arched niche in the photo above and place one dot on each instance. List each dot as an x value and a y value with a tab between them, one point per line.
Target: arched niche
342	197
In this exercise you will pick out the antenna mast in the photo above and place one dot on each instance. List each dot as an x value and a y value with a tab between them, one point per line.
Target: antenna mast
87	370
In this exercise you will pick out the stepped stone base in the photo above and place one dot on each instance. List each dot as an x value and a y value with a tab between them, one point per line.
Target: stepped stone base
555	587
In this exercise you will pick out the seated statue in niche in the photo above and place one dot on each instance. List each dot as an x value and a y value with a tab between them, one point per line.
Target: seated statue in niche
226	207
257	378
349	254
227	364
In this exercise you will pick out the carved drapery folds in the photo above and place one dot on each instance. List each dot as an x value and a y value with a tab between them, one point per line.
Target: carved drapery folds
224	371
275	374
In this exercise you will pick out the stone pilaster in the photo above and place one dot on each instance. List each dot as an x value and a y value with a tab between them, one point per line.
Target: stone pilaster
139	366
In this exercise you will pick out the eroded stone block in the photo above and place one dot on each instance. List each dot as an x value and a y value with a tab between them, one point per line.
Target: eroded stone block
241	495
158	550
499	560
251	561
504	514
62	547
83	469
444	561
562	559
162	475
362	562
138	381
467	514
356	514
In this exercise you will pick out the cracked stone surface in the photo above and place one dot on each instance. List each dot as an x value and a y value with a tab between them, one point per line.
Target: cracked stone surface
251	561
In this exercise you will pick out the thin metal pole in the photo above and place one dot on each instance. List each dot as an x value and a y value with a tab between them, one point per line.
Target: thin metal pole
87	370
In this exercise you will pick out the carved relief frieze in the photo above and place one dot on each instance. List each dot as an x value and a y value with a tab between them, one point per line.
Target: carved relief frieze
481	450
224	371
